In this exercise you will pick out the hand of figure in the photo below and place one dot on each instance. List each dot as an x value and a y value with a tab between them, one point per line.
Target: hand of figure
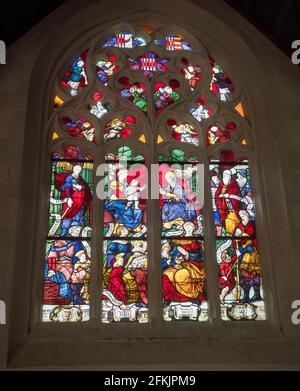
74	85
238	232
77	187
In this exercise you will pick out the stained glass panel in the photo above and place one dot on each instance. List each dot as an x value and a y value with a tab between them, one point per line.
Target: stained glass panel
99	107
232	197
66	280
160	139
80	128
219	133
75	77
184	280
221	83
124	153
240	283
119	128
180	207
135	93
192	73
124	283
125	40
183	132
58	102
106	67
240	109
228	156
70	198
177	155
125	205
55	136
72	152
201	112
141	74
165	95
143	139
173	42
149	63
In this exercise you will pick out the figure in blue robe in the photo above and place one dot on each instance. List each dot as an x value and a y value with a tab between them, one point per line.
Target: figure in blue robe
130	217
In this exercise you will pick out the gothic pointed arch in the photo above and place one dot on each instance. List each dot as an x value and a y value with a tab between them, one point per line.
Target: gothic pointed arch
193	90
134	97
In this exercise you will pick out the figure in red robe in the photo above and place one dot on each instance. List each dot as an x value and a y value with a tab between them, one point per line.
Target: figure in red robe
77	195
116	284
140	277
227	274
82	128
246	226
184	274
218	133
227	202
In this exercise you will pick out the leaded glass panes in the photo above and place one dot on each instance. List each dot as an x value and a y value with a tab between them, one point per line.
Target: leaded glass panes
135	97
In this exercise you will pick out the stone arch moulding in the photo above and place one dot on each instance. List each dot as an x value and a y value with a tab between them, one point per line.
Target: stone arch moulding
26	335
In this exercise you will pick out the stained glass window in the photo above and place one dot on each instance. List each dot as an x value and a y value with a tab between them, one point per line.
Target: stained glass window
99	106
173	42
119	128
75	78
201	111
134	93
141	98
149	64
165	94
183	132
219	133
240	282
221	83
125	40
67	264
106	67
192	72
125	262
182	245
80	128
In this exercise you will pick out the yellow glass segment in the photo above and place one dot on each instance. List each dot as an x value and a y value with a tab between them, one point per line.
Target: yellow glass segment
240	109
55	136
143	139
159	139
58	101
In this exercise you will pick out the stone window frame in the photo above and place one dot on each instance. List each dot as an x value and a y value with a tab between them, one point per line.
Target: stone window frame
151	127
26	329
